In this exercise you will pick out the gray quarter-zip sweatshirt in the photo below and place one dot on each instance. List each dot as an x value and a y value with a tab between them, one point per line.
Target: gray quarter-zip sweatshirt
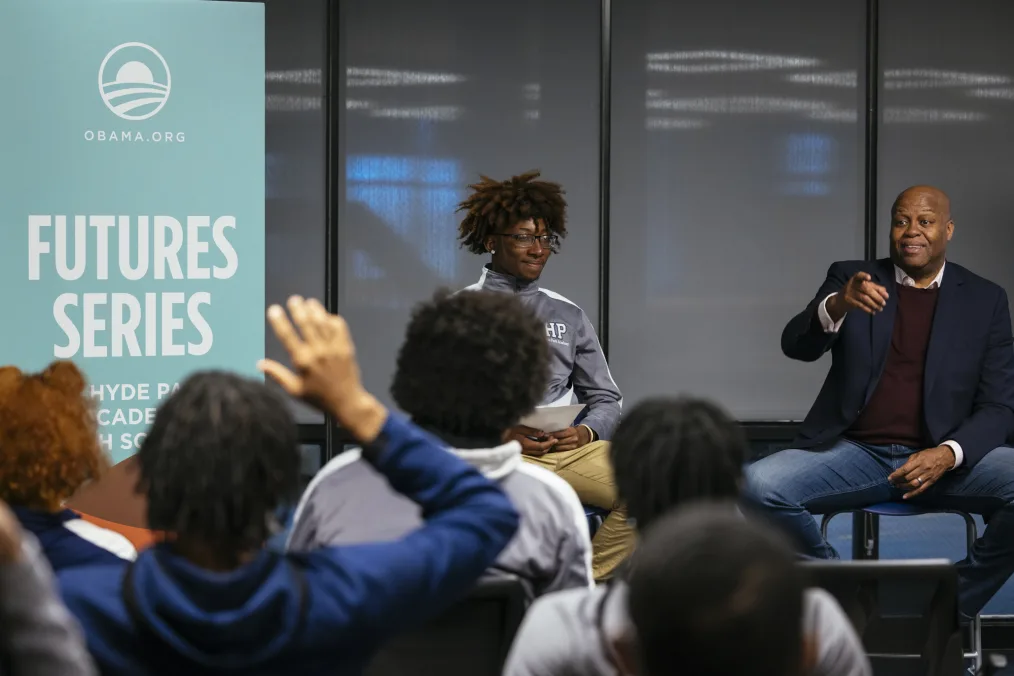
578	369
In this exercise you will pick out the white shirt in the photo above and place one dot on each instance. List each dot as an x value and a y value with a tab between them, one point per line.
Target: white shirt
562	635
903	279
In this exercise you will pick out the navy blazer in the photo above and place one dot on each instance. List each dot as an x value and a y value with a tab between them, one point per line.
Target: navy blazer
968	389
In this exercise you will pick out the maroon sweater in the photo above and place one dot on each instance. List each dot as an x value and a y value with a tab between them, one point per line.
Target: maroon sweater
894	413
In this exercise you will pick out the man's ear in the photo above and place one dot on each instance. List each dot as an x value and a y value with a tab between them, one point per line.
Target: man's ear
490	243
623	654
950	230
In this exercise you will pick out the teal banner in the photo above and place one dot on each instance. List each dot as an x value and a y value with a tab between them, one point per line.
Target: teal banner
132	196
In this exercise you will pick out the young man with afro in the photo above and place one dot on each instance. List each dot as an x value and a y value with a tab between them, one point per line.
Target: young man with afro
519	223
455	347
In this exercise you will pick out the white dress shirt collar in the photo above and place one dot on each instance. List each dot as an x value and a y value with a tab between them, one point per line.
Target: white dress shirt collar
901	278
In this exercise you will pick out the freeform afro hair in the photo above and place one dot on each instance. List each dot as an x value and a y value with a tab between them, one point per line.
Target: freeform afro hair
220	456
494	206
472	364
49	444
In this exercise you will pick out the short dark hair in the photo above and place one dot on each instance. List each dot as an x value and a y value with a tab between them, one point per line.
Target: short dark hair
668	452
714	595
496	205
221	454
472	364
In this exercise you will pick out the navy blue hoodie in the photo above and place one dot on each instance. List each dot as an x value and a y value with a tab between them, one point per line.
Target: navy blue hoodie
320	612
68	540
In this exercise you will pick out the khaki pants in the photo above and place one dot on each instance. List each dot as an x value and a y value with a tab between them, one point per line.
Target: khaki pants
589	472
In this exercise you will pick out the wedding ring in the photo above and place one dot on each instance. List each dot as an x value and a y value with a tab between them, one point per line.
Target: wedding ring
918	480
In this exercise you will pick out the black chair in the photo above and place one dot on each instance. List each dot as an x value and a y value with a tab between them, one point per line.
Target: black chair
871	548
906	612
471	638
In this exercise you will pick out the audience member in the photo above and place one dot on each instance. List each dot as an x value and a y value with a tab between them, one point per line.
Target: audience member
519	223
50	448
667	453
713	595
918	402
38	637
221	455
471	366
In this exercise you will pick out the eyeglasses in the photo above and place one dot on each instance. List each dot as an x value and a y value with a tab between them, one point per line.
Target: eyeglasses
526	241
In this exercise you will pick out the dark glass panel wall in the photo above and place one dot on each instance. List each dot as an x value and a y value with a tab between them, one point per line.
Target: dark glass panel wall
435	94
947	107
296	158
736	180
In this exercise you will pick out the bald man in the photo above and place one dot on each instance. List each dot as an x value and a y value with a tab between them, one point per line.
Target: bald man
918	402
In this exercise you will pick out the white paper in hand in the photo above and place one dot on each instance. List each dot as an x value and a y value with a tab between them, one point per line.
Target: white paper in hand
551	419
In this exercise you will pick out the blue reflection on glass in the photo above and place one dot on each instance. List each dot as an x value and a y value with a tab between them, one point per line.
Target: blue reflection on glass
806	188
395	169
809	153
808	156
416	198
364	268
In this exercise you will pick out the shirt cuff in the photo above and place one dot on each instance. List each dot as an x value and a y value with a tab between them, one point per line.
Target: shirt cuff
825	318
959	455
594	437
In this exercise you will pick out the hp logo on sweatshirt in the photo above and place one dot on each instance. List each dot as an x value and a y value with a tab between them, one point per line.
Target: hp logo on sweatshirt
555	332
134	81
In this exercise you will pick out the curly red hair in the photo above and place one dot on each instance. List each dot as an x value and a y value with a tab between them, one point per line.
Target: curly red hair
49	444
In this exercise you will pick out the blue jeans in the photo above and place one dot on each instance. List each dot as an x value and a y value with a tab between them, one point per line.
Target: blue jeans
792	485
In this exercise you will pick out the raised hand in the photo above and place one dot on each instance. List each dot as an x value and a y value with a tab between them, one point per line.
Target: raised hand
859	293
326	372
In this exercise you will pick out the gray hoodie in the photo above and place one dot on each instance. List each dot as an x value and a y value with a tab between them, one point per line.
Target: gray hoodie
578	368
38	637
349	502
566	635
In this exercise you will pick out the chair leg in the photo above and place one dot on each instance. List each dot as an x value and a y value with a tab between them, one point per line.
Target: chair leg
866	533
971	535
825	522
864	529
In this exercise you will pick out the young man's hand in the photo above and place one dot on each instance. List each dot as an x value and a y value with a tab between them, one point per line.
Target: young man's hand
572	438
534	443
327	374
